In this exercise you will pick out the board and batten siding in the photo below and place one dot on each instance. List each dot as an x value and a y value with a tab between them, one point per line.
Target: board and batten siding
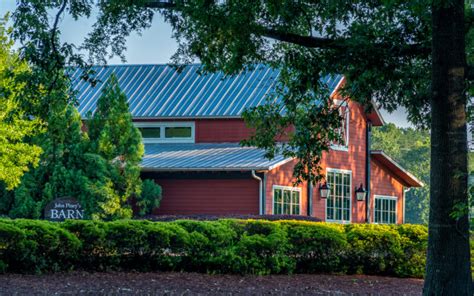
352	160
383	183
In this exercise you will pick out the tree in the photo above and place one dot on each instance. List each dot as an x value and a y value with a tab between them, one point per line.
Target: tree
411	148
68	168
399	53
114	137
16	153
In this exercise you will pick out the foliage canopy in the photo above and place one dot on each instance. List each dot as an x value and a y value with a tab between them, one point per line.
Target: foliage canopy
17	154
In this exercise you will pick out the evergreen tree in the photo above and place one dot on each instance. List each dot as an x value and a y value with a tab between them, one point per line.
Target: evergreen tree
68	169
114	137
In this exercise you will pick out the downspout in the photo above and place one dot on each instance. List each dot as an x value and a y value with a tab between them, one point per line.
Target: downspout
310	198
368	142
264	193
260	195
403	201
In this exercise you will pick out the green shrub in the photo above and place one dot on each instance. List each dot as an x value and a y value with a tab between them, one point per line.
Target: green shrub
40	246
208	247
149	198
414	242
373	249
262	249
223	246
317	247
93	252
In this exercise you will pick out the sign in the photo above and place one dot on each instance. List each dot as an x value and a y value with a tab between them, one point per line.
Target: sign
63	208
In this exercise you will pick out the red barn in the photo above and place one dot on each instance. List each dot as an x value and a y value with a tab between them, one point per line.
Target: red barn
191	125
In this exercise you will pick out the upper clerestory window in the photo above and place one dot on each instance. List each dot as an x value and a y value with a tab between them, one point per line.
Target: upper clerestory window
344	129
166	132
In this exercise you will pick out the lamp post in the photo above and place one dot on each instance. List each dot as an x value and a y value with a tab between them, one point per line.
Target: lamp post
360	193
324	190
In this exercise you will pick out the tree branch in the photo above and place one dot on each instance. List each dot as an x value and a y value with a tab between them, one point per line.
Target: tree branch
55	53
341	43
166	4
470	72
306	41
311	41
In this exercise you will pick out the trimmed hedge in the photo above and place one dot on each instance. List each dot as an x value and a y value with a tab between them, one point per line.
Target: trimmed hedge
222	246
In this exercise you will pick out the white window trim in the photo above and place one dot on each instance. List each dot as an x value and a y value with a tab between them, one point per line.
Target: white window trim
331	170
162	126
387	197
339	147
285	188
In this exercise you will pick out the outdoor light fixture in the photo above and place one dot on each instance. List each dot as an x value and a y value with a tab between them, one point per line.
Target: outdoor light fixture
360	192
324	190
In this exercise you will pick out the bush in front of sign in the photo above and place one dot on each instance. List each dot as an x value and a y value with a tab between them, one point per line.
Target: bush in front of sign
37	246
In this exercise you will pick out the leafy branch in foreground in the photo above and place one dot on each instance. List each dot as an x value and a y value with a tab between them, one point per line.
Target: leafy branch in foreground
17	153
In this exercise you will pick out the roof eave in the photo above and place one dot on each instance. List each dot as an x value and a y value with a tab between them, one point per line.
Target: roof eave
409	179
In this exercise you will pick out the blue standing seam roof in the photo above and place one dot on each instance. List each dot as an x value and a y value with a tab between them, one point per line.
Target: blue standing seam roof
160	91
205	156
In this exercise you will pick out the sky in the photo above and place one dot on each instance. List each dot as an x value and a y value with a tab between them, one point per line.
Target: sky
154	46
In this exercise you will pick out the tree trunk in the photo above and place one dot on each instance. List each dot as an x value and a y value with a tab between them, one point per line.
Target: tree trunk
448	270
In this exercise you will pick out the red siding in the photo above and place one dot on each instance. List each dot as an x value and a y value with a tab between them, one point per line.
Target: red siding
353	160
231	130
383	183
221	130
208	196
283	176
240	196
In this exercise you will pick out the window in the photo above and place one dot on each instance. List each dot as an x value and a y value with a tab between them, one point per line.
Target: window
166	132
286	200
150	132
344	129
338	203
385	209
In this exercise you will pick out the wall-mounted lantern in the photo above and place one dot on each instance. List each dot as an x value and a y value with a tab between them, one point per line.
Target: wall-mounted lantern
360	193
324	190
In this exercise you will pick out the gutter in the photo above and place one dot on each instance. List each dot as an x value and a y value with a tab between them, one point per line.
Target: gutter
368	142
260	191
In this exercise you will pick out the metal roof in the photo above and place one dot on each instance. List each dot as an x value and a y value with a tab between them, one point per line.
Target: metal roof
209	157
404	176
162	91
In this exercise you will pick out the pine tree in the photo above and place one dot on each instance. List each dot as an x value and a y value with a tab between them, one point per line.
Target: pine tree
114	137
68	169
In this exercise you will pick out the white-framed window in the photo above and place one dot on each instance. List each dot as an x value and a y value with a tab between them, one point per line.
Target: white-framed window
166	132
385	209
344	111
286	200
339	201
